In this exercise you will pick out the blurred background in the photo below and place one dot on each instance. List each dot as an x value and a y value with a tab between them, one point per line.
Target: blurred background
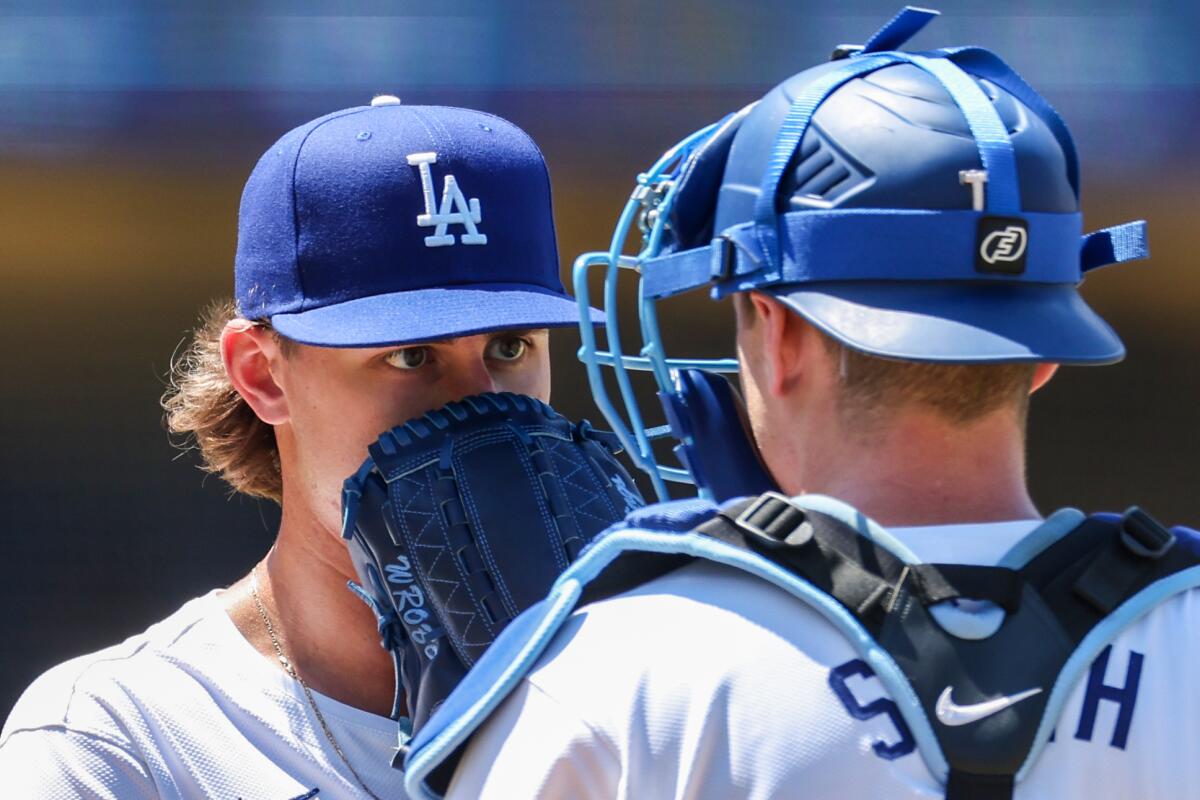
127	130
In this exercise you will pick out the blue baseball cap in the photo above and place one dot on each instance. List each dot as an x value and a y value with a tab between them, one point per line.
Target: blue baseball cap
388	224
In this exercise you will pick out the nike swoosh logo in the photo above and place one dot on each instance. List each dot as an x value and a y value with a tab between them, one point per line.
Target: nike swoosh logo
952	714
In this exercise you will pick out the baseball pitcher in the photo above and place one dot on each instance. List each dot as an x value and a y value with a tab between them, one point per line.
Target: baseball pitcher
396	271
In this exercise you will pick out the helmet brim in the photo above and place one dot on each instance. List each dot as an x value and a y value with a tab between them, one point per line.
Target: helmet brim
957	322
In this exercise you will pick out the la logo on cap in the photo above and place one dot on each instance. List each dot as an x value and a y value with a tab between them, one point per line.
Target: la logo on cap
455	209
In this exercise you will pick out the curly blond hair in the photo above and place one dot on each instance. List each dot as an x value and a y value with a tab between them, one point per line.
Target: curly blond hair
205	412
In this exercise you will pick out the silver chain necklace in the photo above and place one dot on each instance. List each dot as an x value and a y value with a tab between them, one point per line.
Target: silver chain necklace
291	670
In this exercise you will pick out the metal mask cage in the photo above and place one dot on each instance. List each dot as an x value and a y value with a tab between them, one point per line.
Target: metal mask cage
648	207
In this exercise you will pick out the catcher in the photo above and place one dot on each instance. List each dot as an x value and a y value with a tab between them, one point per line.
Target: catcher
901	237
391	259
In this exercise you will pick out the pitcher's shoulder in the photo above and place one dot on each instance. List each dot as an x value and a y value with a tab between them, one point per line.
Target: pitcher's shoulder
98	693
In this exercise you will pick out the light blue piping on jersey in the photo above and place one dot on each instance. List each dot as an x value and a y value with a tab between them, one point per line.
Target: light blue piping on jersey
548	616
1056	526
563	597
566	593
1097	639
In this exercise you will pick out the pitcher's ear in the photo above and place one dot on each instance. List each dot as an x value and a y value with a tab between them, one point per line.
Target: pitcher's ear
251	354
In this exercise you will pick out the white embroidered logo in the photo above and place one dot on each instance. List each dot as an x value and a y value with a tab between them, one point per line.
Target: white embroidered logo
1005	245
951	713
455	209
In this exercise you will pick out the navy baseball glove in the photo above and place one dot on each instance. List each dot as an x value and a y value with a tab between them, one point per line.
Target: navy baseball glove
461	519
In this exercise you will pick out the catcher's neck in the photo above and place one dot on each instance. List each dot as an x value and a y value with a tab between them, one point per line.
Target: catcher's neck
918	470
327	632
897	461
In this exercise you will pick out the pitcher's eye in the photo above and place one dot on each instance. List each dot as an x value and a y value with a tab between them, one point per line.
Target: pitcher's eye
509	348
408	357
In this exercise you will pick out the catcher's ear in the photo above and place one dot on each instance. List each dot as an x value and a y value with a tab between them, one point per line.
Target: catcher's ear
249	352
782	339
1042	376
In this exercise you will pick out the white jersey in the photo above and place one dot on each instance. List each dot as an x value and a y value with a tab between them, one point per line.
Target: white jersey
711	683
188	709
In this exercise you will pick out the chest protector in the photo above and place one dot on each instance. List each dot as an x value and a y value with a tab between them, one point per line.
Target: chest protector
1066	591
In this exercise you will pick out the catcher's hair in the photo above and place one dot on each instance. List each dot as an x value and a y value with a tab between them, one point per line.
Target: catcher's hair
873	387
205	412
958	393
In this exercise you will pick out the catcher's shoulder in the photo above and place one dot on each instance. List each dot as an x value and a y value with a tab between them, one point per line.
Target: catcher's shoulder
1187	538
98	693
673	516
1188	535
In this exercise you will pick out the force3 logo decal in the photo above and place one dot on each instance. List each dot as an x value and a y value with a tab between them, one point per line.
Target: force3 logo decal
455	208
1003	245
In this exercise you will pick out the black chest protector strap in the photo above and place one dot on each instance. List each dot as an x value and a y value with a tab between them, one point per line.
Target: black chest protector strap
1051	603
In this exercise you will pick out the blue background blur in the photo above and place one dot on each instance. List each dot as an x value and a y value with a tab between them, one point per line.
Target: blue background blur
127	129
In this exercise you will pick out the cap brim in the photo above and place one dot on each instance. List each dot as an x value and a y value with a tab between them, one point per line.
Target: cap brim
424	315
958	322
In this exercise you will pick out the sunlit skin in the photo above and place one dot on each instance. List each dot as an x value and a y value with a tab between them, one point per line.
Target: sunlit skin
916	468
326	406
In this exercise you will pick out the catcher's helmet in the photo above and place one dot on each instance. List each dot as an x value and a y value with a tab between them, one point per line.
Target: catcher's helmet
919	206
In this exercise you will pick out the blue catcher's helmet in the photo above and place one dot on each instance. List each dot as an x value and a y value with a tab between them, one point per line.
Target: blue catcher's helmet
917	206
